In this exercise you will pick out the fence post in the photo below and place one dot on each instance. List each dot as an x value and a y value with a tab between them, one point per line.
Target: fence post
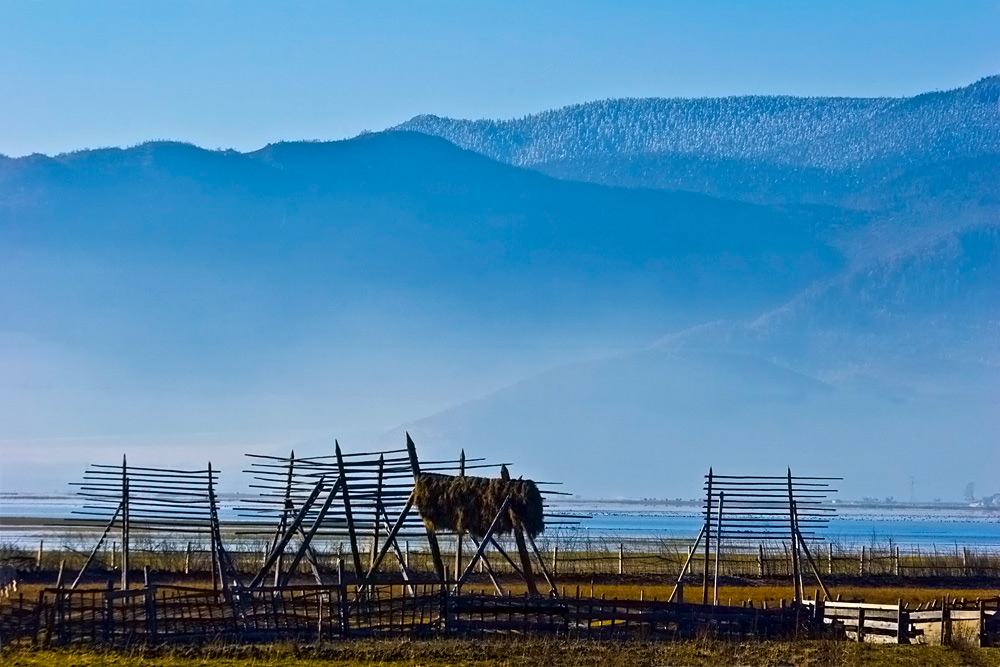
343	609
446	612
760	560
945	622
109	611
621	558
150	598
861	624
902	624
38	558
555	560
861	562
982	623
895	562
965	561
680	592
187	559
829	558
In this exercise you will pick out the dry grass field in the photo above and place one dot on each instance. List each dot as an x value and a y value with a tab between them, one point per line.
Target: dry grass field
514	652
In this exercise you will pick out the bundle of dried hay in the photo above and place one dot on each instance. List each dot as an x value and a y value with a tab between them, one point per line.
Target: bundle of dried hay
469	504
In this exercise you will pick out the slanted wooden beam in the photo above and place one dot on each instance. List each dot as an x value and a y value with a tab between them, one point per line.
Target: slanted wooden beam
686	563
432	542
308	535
486	540
287	537
541	564
809	558
489	568
390	539
97	547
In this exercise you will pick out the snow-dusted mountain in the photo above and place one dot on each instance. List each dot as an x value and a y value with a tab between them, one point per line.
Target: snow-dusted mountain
754	147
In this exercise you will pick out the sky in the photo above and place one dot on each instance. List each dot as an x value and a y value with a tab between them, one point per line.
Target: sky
77	75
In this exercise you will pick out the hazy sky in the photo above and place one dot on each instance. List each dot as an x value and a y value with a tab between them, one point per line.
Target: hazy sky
241	74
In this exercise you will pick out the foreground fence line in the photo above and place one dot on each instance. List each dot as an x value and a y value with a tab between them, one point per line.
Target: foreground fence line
167	613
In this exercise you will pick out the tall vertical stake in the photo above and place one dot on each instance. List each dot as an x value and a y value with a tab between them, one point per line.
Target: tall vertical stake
458	544
349	515
125	536
522	548
793	530
708	538
432	542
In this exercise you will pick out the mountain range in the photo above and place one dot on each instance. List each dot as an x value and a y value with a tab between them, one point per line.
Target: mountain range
617	294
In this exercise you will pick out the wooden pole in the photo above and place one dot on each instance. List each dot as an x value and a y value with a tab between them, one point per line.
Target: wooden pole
432	543
97	546
486	539
550	579
522	548
286	512
485	563
796	573
458	538
677	584
287	537
718	549
217	565
308	536
391	537
348	514
125	520
812	564
708	532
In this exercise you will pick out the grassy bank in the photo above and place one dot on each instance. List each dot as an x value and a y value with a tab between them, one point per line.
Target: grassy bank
520	652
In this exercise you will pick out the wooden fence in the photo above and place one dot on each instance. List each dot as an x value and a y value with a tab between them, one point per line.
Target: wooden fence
973	623
164	613
174	613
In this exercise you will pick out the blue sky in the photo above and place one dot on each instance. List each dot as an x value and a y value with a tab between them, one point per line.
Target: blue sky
241	74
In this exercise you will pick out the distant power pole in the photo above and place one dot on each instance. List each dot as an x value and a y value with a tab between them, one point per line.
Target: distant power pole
913	495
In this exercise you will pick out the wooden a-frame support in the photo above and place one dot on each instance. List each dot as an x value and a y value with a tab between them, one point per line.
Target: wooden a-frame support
286	537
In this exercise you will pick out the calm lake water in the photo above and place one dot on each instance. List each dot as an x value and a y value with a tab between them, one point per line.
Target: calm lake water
943	529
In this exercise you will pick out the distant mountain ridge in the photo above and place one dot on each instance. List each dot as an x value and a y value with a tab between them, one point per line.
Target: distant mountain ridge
732	309
692	144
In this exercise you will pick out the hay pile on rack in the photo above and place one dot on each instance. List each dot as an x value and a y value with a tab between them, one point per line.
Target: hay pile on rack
469	504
